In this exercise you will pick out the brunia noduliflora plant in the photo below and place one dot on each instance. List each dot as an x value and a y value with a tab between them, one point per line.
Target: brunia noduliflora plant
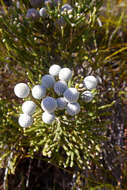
58	118
53	123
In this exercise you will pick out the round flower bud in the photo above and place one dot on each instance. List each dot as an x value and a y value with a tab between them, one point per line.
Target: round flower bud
54	70
36	3
87	96
43	12
90	82
32	14
71	95
49	104
60	87
61	103
48	118
21	90
73	108
65	74
66	7
48	81
25	120
28	107
38	92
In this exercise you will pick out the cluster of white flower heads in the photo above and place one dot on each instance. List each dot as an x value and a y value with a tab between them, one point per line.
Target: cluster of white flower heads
40	9
65	97
34	13
57	79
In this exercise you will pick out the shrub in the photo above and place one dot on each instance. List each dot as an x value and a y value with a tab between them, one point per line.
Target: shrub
71	39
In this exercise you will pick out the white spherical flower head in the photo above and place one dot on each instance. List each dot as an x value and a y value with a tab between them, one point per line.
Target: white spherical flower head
48	118
36	3
73	108
38	92
54	70
87	96
25	120
66	7
32	14
43	12
71	95
48	81
49	104
60	87
21	90
90	82
65	74
61	103
28	107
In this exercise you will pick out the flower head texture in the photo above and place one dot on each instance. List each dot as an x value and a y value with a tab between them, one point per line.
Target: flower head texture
73	108
60	87
38	92
21	90
48	118
32	14
48	81
87	96
90	82
61	103
54	70
71	95
36	3
43	12
25	120
65	74
28	107
49	104
66	7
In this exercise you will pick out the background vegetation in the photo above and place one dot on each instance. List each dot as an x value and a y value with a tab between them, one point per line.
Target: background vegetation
95	45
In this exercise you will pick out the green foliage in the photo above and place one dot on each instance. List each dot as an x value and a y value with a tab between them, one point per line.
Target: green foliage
39	43
34	45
